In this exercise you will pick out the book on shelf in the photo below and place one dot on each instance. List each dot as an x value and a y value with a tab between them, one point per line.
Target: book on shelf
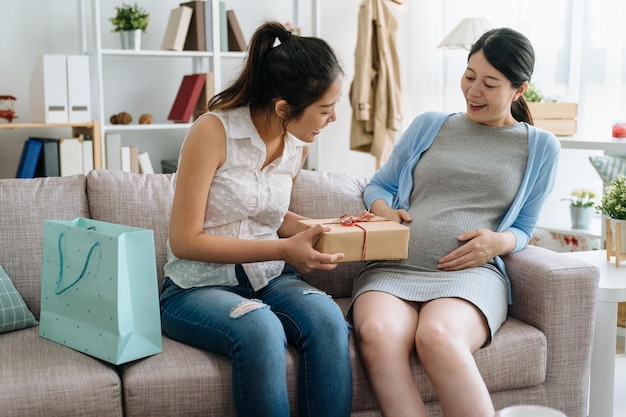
208	26
134	159
187	98
63	156
28	159
48	164
70	156
130	158
177	28
125	158
196	36
145	164
87	154
236	40
207	92
113	151
223	26
169	166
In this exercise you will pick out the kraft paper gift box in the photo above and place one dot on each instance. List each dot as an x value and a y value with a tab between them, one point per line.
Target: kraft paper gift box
375	239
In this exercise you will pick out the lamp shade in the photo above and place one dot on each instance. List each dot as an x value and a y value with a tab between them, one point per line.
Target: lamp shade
465	33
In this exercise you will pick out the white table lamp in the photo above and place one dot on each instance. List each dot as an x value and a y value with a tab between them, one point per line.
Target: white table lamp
465	33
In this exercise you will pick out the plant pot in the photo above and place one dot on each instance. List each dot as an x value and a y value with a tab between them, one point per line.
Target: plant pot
580	216
612	244
131	39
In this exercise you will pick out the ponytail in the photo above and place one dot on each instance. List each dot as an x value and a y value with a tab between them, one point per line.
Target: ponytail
521	112
281	66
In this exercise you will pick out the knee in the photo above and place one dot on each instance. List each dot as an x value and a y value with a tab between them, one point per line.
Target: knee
432	339
378	338
323	319
258	327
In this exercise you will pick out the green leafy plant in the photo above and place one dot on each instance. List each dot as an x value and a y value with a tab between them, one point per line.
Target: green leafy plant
581	197
613	202
533	94
130	17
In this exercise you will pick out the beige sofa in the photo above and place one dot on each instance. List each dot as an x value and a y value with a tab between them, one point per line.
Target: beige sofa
540	355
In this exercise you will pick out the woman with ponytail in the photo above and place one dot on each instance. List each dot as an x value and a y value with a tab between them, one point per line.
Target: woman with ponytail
470	186
232	279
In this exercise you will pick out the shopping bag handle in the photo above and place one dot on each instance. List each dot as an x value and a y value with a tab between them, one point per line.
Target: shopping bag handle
57	289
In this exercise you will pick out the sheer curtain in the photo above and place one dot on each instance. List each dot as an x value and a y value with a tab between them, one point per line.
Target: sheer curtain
579	46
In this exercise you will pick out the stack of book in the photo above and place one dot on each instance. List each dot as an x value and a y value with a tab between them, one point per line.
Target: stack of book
189	28
126	158
54	157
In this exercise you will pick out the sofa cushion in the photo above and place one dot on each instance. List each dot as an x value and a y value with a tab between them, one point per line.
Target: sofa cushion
185	380
516	359
30	202
139	200
608	167
43	378
14	314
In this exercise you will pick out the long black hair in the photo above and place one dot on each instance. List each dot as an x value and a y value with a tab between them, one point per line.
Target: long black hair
278	66
513	55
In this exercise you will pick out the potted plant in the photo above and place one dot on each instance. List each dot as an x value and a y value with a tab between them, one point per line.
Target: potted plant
581	207
613	207
130	21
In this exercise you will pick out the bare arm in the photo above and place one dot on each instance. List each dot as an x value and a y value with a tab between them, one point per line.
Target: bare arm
203	153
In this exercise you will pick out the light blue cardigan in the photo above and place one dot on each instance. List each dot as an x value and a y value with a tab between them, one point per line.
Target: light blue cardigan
393	182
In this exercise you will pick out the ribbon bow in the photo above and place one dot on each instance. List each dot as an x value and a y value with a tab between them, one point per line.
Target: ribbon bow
350	220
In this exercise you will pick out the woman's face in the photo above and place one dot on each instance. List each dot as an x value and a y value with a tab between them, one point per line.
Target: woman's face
488	93
317	115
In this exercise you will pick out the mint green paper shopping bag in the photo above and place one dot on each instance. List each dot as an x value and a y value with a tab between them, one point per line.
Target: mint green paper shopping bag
99	290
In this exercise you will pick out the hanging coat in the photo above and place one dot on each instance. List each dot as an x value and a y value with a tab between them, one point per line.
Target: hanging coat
375	92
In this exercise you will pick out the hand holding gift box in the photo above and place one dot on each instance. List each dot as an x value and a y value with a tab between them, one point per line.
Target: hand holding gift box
361	238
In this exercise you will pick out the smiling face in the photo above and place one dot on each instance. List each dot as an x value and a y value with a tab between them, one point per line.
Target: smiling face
488	93
317	115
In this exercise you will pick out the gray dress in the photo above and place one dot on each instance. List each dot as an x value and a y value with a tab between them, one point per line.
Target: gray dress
467	179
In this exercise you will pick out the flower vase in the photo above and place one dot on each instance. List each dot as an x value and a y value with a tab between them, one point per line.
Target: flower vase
131	39
615	240
580	216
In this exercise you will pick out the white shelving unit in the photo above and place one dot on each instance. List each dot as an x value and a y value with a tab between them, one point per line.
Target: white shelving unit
200	62
608	146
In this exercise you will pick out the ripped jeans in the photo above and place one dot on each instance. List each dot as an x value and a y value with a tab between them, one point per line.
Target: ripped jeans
253	329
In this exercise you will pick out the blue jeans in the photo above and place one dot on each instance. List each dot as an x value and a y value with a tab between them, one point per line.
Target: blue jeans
253	328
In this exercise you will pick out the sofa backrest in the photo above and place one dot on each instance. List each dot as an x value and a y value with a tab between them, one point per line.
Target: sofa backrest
24	206
141	200
145	201
138	200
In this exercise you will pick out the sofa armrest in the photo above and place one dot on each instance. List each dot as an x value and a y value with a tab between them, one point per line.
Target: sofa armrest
557	294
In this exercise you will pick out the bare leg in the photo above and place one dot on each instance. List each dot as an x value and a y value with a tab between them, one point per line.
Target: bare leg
385	328
449	331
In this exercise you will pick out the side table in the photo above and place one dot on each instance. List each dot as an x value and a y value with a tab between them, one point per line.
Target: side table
611	290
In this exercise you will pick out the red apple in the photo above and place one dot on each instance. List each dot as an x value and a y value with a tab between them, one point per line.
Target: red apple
619	130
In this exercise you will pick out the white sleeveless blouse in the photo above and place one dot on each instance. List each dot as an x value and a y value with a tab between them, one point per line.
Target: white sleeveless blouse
245	201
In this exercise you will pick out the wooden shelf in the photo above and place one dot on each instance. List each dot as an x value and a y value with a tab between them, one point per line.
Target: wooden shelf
88	128
33	125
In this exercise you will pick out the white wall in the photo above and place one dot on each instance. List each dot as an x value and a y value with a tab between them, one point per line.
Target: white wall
39	27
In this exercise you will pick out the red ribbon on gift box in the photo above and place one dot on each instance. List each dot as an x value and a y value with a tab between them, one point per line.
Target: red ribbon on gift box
350	220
